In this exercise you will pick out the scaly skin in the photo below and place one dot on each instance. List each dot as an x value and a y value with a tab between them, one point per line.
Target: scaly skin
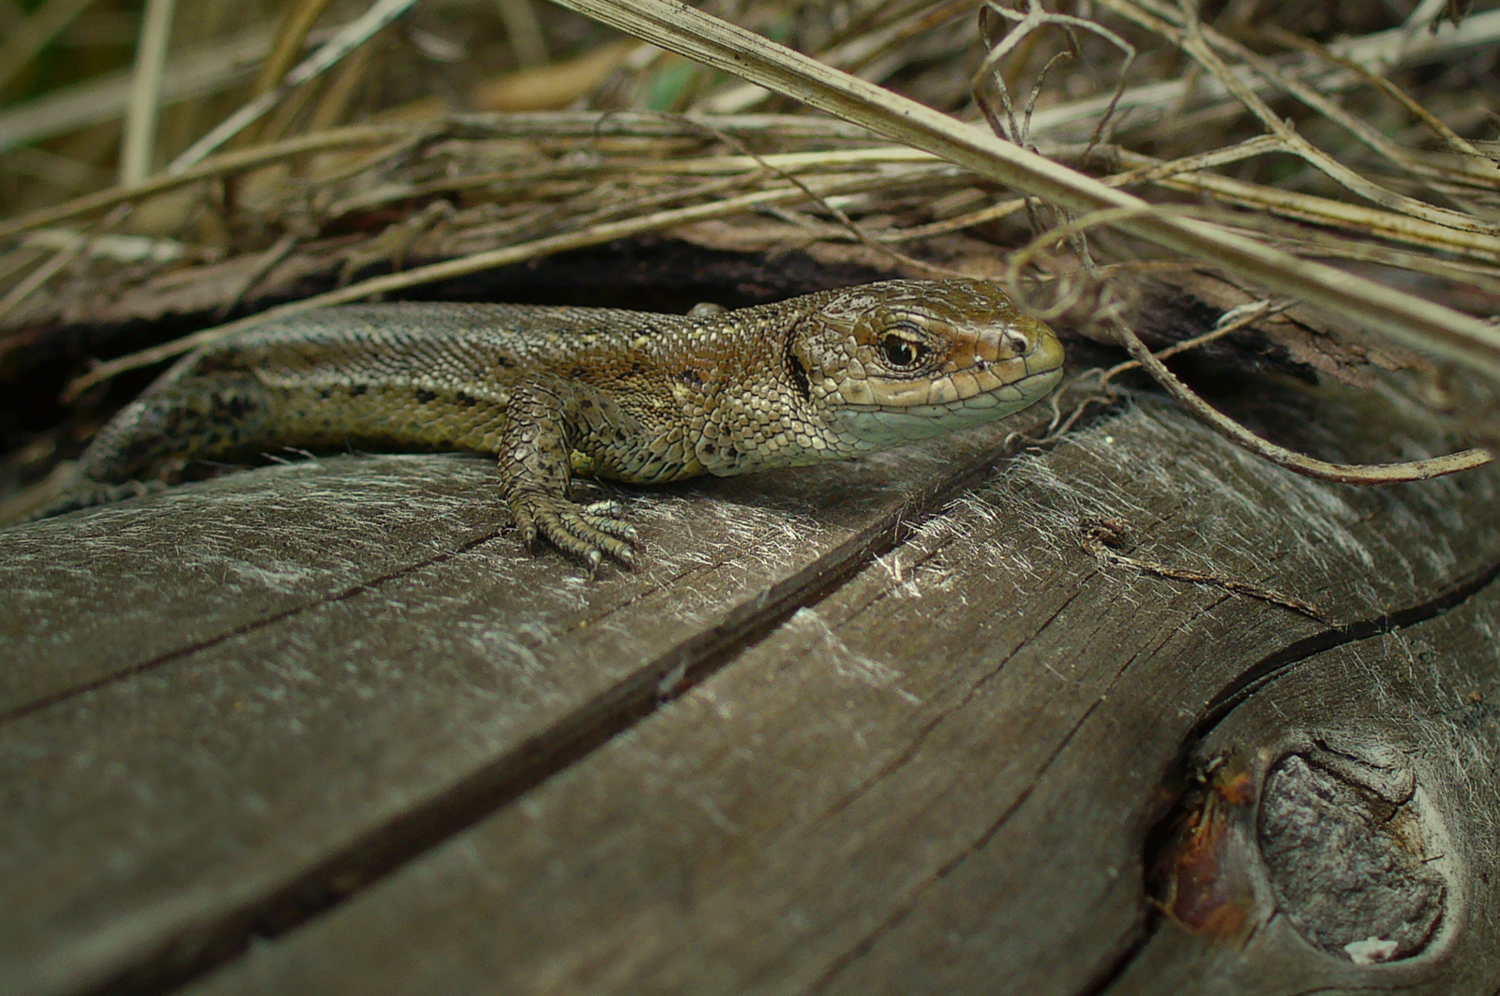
629	396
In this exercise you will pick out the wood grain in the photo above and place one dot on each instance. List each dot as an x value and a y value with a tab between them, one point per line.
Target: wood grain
235	700
944	776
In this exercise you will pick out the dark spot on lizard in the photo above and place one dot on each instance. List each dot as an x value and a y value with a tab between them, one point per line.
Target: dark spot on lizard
709	449
358	389
636	370
578	373
235	406
505	361
798	372
325	393
465	399
424	395
586	403
691	378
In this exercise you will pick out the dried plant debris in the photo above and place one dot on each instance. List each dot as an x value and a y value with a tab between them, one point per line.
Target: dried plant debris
408	147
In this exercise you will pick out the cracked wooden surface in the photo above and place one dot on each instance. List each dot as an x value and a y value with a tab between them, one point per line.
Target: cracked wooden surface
884	727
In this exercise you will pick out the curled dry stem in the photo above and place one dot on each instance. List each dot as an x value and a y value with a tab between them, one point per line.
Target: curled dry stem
1229	322
989	77
1343	473
1096	540
988	74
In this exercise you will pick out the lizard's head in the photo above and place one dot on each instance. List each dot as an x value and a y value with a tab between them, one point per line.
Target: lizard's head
907	359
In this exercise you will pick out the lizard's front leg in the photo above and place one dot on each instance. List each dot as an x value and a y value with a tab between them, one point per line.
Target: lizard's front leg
545	421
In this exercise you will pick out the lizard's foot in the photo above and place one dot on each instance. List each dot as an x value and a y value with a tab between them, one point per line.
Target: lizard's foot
586	532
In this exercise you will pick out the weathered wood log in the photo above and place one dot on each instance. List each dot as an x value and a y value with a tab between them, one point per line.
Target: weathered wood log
886	727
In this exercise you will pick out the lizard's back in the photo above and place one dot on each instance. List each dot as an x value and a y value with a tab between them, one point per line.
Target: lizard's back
627	396
408	376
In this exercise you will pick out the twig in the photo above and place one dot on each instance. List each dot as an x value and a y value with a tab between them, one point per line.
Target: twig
1015	261
38	278
843	219
268	261
1386	473
1229	322
1097	535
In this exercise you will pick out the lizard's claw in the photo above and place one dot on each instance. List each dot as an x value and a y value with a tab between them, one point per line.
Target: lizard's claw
586	532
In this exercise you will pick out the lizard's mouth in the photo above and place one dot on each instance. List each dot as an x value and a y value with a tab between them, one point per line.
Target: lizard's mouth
889	425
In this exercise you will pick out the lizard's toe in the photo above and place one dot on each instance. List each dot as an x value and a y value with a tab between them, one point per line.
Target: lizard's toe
608	507
614	527
579	532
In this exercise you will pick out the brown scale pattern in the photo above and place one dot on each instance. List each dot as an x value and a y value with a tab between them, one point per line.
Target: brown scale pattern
629	396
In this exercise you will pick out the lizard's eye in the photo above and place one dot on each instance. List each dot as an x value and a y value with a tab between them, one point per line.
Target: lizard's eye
901	352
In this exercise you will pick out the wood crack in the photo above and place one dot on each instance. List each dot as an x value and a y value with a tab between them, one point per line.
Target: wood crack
943	871
1249	681
184	957
1265	672
143	667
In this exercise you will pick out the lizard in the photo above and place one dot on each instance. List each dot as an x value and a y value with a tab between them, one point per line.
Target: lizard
555	392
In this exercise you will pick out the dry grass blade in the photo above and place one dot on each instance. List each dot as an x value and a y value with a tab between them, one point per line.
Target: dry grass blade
291	33
853	54
1320	210
524	32
463	266
196	73
558	124
224	165
381	13
32	35
1151	103
1193	39
1404	318
144	109
1432	121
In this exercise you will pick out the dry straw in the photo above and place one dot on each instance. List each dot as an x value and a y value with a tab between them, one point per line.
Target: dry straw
1374	200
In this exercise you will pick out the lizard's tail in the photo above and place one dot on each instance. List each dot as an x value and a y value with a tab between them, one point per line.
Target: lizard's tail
150	441
153	436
